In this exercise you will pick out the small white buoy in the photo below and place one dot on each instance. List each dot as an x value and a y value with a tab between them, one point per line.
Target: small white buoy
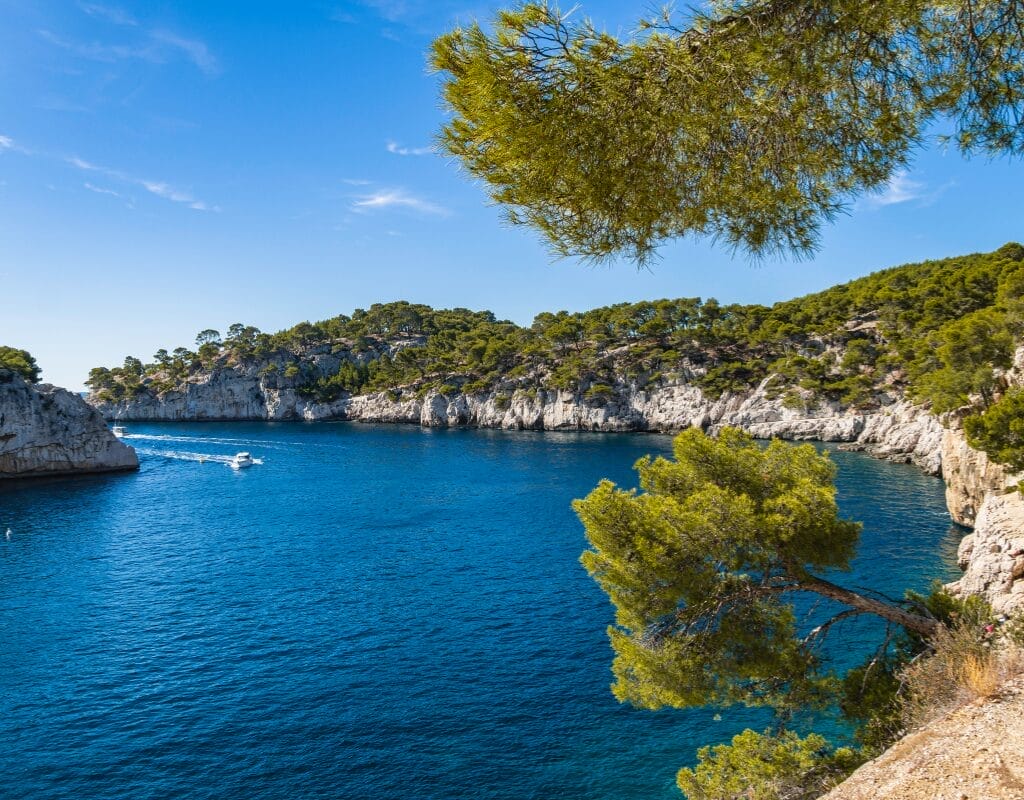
8	534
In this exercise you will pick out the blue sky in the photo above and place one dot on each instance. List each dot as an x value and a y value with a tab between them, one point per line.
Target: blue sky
171	166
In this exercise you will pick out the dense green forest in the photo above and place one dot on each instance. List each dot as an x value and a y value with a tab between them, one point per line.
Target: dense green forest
942	330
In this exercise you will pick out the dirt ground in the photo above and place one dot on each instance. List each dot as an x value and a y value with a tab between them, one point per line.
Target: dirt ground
974	753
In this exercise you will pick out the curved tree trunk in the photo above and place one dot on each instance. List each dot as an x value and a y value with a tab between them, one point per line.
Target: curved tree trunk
912	622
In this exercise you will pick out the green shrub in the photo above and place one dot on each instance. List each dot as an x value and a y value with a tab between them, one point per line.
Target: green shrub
793	400
999	431
476	387
601	392
21	362
763	766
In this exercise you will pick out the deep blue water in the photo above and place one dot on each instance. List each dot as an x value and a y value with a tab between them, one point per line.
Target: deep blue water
373	612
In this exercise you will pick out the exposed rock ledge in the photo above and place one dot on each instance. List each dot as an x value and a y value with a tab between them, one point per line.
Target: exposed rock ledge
974	753
45	430
992	557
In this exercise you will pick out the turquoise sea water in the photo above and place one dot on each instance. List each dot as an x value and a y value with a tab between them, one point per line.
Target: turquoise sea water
372	612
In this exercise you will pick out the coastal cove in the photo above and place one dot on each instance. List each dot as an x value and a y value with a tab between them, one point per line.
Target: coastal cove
375	610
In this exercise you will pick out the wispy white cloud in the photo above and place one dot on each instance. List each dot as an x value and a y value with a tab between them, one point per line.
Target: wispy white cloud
900	189
112	14
106	53
155	46
394	10
100	190
397	198
81	163
7	143
158	188
194	50
168	192
398	150
356	182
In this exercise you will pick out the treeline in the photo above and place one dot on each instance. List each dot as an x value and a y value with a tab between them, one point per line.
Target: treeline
944	331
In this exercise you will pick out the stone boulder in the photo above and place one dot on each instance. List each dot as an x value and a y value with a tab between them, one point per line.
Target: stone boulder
46	430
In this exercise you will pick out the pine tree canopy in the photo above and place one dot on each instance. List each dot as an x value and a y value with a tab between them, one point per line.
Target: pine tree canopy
701	565
752	123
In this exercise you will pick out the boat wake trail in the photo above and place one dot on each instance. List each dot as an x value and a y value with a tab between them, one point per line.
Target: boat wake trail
204	440
181	455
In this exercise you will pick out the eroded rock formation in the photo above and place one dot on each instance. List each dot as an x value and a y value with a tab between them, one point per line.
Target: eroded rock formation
45	430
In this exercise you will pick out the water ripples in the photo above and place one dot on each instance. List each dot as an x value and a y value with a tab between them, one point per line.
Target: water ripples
375	611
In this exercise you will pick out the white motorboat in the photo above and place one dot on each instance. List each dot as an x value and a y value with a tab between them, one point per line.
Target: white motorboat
241	460
118	431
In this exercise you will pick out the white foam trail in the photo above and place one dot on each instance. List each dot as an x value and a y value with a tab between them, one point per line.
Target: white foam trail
208	440
185	456
181	455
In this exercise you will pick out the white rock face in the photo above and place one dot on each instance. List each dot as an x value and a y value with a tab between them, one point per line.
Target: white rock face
897	430
45	430
992	557
970	476
981	494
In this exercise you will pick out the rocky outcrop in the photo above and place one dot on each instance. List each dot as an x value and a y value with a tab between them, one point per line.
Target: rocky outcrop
45	430
982	495
970	476
992	556
973	753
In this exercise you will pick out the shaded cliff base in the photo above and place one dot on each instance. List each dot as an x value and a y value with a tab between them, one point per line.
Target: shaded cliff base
46	431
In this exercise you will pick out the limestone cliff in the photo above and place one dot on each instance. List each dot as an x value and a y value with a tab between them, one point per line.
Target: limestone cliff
992	556
970	476
45	430
891	428
983	495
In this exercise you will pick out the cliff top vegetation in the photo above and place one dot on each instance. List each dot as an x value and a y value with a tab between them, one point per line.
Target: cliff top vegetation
21	362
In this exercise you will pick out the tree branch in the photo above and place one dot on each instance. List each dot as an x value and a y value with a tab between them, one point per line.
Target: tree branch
913	622
823	629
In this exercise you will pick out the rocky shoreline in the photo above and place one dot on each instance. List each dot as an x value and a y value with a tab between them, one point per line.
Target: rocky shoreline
893	428
47	431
